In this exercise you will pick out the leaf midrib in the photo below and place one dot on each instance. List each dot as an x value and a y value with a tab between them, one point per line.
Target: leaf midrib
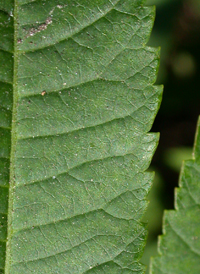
13	143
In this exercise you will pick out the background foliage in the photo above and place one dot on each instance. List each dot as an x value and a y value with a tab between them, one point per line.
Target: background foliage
177	31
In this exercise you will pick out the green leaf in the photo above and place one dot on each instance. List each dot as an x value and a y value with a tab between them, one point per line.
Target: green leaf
74	142
174	156
179	247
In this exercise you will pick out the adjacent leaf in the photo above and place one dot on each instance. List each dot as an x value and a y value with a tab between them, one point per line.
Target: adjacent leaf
179	247
83	102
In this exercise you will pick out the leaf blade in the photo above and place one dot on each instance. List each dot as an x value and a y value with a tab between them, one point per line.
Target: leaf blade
179	246
82	107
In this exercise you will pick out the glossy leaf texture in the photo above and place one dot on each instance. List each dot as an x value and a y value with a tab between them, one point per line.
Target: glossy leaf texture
179	247
75	142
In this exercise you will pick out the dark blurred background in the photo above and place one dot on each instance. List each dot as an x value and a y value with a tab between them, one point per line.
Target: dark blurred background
177	32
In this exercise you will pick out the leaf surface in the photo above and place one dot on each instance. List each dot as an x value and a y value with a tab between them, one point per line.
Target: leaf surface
179	247
77	100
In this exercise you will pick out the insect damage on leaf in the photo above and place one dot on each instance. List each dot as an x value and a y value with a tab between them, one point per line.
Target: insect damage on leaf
39	28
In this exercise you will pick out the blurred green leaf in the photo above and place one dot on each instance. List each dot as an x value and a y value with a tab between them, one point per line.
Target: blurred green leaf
173	157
